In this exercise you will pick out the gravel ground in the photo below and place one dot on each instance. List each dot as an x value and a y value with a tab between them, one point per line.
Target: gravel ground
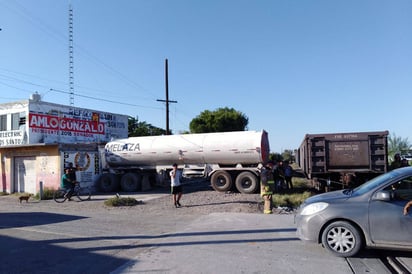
200	198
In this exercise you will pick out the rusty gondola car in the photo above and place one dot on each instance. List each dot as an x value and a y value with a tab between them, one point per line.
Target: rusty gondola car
343	160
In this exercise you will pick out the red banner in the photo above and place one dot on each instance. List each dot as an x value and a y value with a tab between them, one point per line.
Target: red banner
51	122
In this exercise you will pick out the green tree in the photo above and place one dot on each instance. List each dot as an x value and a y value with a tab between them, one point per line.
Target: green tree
397	144
220	120
274	156
137	128
289	155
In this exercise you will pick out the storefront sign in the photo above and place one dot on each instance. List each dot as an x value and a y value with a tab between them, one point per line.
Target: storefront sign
56	125
12	137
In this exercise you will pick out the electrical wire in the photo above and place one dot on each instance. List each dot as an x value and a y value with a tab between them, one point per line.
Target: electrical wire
104	100
20	10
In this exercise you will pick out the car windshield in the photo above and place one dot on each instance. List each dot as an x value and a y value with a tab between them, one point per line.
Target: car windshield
381	179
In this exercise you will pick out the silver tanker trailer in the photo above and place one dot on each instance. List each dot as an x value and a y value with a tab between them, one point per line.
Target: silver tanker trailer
228	159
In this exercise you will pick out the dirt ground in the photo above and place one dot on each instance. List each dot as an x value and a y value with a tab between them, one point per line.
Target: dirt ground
200	198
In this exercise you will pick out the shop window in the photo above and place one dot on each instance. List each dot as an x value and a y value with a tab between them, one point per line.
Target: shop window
3	122
15	120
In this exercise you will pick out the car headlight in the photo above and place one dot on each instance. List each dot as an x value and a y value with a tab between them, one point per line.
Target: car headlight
313	208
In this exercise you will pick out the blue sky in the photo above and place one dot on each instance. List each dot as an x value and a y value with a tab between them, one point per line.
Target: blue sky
292	67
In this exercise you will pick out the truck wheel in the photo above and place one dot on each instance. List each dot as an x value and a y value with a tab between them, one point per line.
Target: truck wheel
246	182
130	182
221	181
108	182
342	239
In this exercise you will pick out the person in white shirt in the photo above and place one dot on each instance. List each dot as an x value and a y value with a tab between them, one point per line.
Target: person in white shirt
176	186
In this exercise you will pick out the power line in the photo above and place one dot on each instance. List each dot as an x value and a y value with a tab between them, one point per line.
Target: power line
6	77
103	100
12	78
20	10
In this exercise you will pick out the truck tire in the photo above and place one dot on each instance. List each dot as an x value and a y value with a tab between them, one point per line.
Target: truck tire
108	182
246	182
131	182
221	181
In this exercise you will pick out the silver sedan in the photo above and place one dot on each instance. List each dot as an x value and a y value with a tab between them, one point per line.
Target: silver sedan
369	216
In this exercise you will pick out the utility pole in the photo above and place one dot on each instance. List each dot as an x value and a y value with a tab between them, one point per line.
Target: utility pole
71	67
167	97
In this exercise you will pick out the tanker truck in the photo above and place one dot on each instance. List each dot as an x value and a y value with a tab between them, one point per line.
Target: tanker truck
229	159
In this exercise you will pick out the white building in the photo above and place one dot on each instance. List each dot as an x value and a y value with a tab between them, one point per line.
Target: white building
38	139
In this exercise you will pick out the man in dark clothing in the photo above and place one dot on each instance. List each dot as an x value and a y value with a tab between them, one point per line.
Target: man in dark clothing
288	171
396	162
277	176
72	172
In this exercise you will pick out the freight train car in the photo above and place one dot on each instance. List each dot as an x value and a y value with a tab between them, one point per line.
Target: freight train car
342	160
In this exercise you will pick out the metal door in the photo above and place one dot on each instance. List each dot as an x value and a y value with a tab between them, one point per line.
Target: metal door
24	174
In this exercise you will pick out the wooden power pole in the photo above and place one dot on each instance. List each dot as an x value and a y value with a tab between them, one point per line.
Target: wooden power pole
167	101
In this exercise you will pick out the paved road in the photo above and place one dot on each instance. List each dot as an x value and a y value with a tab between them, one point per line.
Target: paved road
45	237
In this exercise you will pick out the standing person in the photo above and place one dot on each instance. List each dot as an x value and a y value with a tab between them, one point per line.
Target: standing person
176	186
67	183
276	176
404	162
280	176
396	162
288	171
265	189
349	181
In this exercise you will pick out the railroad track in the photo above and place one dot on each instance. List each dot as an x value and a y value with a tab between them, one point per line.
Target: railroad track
397	265
381	262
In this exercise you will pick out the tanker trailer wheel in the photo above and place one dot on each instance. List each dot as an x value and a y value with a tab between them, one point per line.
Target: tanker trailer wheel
131	182
108	182
221	181
246	182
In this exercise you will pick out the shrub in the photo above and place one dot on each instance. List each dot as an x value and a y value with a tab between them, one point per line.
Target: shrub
47	194
299	182
120	201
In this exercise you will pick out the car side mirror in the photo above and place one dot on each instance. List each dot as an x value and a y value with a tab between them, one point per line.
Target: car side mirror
383	195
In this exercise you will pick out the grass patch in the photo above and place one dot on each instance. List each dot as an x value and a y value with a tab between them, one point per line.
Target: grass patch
4	194
47	194
122	201
300	182
293	200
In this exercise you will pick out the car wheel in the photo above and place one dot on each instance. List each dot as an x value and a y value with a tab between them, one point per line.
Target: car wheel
342	239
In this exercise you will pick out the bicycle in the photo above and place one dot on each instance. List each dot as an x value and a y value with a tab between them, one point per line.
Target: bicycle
82	193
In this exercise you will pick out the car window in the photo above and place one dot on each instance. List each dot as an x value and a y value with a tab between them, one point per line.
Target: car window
379	180
402	189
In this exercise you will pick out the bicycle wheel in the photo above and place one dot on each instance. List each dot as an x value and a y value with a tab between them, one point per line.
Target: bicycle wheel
83	193
58	195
